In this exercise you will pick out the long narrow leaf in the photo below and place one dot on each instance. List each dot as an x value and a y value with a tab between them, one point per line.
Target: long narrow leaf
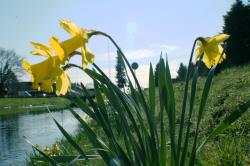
184	101
191	106
68	158
102	149
46	157
151	90
70	140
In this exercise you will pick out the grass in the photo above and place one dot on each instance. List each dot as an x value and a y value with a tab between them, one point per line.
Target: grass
10	106
230	88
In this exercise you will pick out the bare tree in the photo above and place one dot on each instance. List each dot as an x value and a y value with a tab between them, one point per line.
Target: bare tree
10	69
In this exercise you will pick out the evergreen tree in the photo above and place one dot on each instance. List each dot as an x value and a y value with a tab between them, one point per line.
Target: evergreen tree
237	25
182	72
120	72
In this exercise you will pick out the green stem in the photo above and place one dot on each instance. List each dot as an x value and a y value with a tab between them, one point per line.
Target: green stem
202	107
184	102
191	105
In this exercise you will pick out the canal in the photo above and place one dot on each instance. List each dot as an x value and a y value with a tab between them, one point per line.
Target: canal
38	127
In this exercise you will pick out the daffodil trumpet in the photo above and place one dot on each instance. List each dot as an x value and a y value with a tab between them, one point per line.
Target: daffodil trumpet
46	73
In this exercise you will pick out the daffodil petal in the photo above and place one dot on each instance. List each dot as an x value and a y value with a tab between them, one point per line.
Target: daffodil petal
41	49
69	26
73	29
62	84
206	61
84	58
47	86
36	86
40	52
26	65
89	56
198	51
221	37
55	44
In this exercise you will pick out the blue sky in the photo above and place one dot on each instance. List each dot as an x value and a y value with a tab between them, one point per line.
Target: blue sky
142	28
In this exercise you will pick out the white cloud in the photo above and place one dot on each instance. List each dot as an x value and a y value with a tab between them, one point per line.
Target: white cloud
169	48
105	60
140	54
152	51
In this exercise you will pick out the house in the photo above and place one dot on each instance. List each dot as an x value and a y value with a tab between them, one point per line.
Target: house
24	89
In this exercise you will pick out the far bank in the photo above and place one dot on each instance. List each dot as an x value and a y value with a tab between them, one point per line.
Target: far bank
10	106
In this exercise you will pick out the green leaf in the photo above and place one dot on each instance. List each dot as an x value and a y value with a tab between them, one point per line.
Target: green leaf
204	97
191	106
70	140
102	149
68	158
151	122
166	94
151	90
83	106
184	101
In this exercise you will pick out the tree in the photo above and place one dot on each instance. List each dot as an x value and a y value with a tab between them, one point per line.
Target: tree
156	73
10	68
237	25
182	72
120	72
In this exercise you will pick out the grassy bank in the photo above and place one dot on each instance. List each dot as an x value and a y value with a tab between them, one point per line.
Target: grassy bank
231	147
19	105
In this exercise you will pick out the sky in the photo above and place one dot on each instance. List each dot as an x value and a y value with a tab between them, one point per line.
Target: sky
142	28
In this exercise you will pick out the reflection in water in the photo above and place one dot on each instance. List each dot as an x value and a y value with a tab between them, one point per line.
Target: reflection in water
38	127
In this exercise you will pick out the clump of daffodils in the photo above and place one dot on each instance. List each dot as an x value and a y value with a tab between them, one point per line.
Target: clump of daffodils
50	71
54	150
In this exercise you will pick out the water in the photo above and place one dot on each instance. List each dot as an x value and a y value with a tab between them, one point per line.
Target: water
38	127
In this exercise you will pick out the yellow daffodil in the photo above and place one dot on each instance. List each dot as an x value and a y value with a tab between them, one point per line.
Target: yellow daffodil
45	73
46	150
74	30
212	49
